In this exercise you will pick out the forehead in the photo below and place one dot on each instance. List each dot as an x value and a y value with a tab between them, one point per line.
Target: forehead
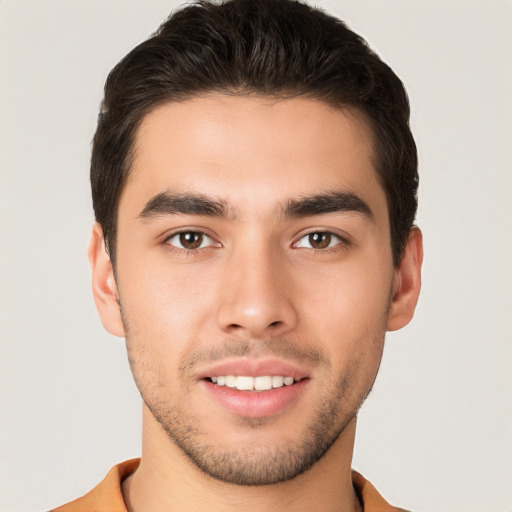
251	151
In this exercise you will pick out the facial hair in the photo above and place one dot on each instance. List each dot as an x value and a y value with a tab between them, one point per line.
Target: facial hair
256	464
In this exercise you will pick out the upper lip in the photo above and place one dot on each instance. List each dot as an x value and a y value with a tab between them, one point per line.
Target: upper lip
253	368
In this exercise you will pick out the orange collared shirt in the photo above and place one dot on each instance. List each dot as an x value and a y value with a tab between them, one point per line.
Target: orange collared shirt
108	496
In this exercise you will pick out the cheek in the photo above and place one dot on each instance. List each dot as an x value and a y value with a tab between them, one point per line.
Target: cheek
346	310
162	309
348	297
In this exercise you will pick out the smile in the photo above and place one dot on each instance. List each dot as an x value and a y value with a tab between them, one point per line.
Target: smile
254	388
248	383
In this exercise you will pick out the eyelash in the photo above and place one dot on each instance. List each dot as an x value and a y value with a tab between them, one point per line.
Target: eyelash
342	242
185	249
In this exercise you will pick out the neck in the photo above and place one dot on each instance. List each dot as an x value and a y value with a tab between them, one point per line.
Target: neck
167	479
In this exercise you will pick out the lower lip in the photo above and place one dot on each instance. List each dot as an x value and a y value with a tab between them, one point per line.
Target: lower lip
256	404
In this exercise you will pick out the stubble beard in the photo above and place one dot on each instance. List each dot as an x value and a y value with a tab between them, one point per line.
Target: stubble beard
258	464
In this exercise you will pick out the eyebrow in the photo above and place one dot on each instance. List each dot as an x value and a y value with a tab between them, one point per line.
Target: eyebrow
171	203
331	202
168	203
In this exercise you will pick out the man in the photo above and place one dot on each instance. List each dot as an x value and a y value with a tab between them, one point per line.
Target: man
254	183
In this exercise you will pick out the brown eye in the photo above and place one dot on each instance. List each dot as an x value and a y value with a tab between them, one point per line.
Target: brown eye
319	240
189	240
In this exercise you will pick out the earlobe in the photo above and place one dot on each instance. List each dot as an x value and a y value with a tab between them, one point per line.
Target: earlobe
407	284
103	284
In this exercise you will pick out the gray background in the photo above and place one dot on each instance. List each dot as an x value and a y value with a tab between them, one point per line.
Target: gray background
435	435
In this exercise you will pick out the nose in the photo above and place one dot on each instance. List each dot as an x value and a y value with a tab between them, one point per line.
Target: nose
257	295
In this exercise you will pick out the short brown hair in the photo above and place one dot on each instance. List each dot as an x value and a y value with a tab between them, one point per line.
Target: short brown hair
278	48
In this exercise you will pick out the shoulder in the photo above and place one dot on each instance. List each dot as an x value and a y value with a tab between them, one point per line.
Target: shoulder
370	498
107	496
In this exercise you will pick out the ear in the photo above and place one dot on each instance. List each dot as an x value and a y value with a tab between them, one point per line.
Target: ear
407	282
103	284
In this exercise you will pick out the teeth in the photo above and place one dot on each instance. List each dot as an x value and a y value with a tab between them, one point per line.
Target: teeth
230	381
262	383
277	381
244	383
247	383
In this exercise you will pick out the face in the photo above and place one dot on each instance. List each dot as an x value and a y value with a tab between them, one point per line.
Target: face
255	279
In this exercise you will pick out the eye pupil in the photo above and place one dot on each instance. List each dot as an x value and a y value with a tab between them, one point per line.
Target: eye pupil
320	240
191	239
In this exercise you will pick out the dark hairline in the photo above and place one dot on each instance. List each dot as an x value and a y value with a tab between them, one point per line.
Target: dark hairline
358	112
255	48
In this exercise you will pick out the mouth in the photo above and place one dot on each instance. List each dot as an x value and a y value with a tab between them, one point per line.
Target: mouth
255	389
249	383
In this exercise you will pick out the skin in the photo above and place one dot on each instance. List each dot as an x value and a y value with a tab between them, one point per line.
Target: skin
257	287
